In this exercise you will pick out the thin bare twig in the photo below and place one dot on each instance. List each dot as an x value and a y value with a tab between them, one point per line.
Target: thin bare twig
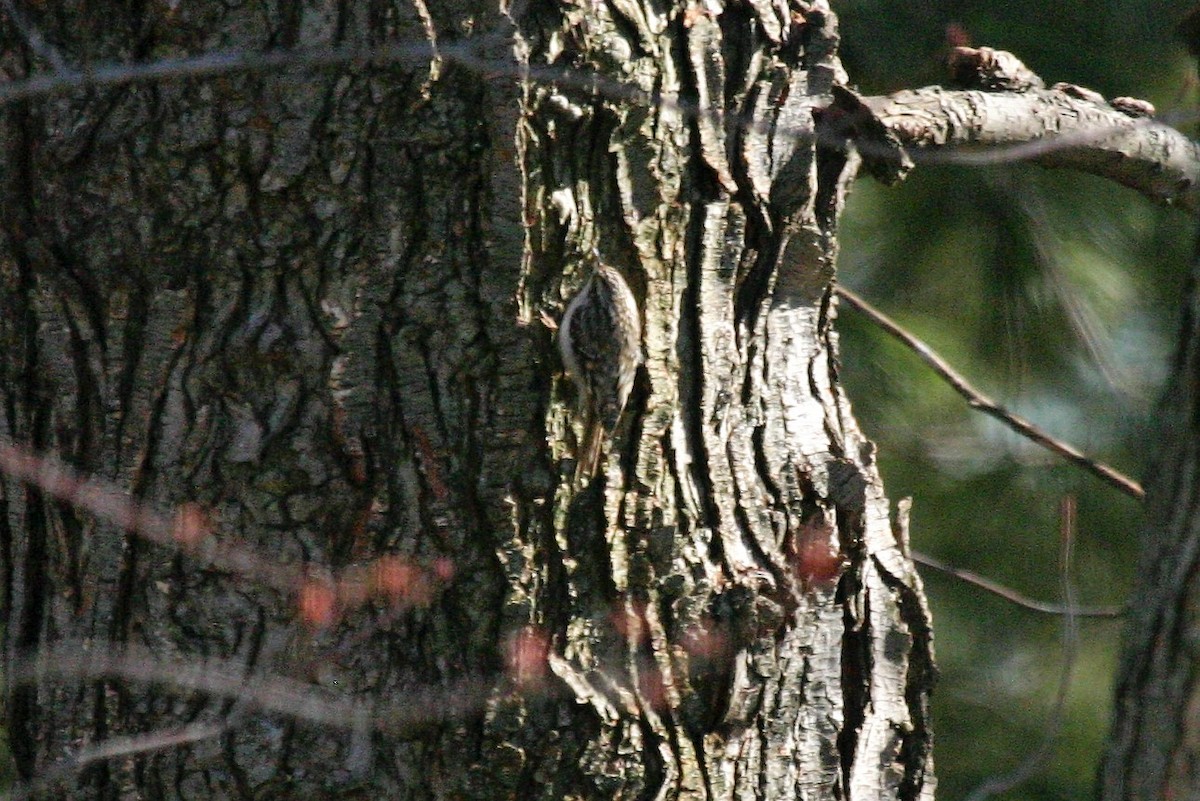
391	577
33	37
208	64
977	400
268	693
225	678
1037	758
467	54
109	503
113	748
1011	595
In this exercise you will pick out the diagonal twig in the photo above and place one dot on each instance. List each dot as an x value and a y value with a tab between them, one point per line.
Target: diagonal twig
33	37
267	693
1011	595
403	582
112	748
977	400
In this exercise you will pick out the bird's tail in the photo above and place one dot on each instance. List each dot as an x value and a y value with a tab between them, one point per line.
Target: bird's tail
588	457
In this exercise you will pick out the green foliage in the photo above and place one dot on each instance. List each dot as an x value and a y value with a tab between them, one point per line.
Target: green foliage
1056	294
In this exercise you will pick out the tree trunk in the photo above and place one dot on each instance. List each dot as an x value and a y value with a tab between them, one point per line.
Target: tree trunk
1154	747
316	302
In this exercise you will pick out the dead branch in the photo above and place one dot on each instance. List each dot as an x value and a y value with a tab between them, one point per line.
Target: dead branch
977	400
1063	126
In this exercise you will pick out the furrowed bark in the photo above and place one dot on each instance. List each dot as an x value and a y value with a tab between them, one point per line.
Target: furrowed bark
734	614
285	296
315	303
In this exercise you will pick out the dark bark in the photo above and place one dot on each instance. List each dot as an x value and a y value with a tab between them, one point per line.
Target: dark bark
314	302
1153	751
283	296
1153	748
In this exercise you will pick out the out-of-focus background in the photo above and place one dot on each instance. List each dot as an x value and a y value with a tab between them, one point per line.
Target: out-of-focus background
1059	296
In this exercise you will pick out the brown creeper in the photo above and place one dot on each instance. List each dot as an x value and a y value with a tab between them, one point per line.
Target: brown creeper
601	342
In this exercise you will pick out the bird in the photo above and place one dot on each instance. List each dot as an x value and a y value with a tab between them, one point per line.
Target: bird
600	339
